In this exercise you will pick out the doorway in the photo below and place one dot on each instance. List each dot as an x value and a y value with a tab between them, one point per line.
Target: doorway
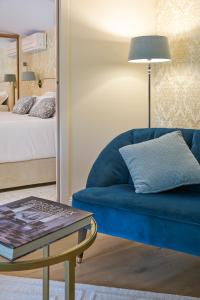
28	163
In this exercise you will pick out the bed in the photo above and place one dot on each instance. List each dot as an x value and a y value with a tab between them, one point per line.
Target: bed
27	145
27	150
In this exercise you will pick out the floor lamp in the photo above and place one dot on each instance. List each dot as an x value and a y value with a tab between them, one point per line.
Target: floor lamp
149	49
12	79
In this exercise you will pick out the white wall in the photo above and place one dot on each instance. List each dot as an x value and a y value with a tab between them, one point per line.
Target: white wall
108	94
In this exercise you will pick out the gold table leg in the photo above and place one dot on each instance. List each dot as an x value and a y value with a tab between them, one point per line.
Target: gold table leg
46	275
81	237
69	267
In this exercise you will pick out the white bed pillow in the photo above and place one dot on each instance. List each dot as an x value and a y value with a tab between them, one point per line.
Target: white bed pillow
44	96
50	94
3	97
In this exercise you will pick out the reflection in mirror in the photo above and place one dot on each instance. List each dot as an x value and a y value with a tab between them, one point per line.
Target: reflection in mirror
28	123
38	55
9	71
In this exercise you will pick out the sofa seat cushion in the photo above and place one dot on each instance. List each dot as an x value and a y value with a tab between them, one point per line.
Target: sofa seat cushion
176	205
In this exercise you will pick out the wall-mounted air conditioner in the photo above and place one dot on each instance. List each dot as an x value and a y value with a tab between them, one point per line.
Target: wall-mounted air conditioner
12	49
34	42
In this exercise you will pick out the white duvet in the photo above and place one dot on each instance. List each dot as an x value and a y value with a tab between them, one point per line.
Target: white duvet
26	138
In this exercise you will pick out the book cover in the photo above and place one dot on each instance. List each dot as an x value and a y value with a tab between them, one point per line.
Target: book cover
26	220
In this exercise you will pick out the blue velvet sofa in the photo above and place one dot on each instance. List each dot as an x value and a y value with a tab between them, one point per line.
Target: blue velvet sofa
169	219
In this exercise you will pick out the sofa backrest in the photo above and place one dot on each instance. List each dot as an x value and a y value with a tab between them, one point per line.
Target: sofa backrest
109	167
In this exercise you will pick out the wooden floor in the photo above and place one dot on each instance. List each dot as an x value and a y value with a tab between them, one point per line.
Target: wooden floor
120	263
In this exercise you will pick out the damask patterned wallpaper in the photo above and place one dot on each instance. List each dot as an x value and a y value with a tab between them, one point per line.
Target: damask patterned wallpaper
43	63
176	85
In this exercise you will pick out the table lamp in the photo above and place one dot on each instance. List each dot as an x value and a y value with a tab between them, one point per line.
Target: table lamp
12	79
28	76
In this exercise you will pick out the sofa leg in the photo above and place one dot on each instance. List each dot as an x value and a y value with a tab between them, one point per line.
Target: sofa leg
81	237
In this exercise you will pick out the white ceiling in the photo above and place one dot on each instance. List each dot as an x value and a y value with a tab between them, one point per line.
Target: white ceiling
26	16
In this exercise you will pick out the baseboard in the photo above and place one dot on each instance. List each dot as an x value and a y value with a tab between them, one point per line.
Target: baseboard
69	202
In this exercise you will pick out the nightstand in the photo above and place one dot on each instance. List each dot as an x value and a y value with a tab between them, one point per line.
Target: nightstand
3	107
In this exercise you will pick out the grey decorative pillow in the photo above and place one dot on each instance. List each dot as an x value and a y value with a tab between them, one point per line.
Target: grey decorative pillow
24	105
44	109
161	164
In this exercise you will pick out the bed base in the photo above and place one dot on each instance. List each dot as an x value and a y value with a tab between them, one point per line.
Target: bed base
30	172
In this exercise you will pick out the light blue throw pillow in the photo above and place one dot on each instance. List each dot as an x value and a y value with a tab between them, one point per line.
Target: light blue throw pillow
161	164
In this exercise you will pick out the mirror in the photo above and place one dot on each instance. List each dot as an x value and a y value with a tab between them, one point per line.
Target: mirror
28	73
9	71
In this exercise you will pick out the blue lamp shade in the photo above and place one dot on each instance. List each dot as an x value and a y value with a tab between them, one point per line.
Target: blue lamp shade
149	49
28	76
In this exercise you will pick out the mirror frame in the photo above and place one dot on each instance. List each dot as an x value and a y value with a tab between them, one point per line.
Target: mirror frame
63	102
16	37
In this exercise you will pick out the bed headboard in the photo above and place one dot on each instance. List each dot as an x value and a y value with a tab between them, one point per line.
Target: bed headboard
48	85
6	86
